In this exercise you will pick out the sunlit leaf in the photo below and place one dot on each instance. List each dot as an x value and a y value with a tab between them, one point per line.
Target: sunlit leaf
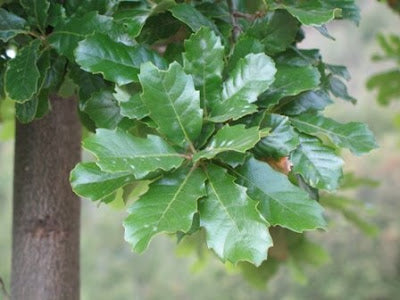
172	101
168	206
235	230
280	202
118	151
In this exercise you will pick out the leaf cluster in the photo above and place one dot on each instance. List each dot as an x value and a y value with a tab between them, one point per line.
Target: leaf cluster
209	104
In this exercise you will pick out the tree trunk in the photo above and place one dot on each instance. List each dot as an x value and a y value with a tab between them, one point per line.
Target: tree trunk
46	213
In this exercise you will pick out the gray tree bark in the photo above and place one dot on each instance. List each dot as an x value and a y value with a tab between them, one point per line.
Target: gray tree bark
46	213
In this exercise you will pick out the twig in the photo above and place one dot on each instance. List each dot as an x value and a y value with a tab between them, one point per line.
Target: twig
249	17
3	290
236	28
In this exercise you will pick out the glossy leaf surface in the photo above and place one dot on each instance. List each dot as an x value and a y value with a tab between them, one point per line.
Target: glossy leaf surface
115	61
290	81
37	11
168	206
235	230
89	181
203	59
252	75
66	35
354	136
23	69
319	165
172	101
236	138
118	151
281	140
10	25
280	202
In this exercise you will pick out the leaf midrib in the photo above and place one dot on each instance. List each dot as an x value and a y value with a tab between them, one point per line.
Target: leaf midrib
175	112
269	195
327	131
221	202
175	196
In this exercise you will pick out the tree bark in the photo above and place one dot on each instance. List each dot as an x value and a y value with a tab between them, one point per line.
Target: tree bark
46	213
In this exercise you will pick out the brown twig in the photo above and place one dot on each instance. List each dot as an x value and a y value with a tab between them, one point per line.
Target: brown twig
249	17
236	28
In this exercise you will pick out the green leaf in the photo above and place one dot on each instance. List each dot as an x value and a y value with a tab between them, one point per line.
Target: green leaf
55	74
192	17
37	11
281	140
236	138
130	102
37	106
26	112
89	181
68	88
10	25
318	12
207	131
354	136
290	81
103	109
43	65
204	60
117	62
311	12
232	158
245	45
168	206
78	7
340	71
280	202
88	83
133	19
172	101
276	31
152	32
339	89
161	6
387	84
56	14
43	104
350	10
230	110
324	31
66	36
252	6
252	75
119	151
300	57
22	74
318	164
235	230
309	101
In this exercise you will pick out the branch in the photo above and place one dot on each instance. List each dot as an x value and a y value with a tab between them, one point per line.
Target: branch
249	17
236	28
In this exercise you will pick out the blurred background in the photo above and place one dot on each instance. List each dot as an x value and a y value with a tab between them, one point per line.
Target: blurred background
360	266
